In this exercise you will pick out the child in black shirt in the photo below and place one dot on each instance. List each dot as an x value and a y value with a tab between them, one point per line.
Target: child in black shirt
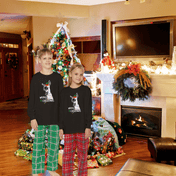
75	121
43	111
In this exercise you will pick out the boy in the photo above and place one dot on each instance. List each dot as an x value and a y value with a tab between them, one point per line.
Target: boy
43	112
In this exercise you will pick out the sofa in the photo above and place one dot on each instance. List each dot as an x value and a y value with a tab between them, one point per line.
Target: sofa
135	167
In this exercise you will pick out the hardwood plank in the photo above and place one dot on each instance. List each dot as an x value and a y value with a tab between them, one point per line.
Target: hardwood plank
13	123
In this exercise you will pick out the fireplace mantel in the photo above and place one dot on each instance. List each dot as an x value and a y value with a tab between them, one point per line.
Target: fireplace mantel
163	96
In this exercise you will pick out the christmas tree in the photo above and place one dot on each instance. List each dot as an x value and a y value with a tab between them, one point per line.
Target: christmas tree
64	53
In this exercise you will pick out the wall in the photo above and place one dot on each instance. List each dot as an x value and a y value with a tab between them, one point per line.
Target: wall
84	20
119	11
43	27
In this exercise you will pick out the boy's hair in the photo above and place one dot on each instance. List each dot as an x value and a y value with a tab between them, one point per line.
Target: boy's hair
43	51
76	65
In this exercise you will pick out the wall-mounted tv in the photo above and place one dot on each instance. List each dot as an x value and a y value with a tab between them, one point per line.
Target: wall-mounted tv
150	39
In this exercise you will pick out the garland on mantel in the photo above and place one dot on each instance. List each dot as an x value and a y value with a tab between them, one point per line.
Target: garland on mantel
132	82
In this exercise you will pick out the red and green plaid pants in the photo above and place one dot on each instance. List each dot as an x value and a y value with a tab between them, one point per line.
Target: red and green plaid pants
71	141
38	156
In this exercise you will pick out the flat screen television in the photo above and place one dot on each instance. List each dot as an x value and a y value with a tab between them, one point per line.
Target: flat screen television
151	39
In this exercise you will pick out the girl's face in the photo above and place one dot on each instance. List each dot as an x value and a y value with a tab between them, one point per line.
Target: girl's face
46	61
77	75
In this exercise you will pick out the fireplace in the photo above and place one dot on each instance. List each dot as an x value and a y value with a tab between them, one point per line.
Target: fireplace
141	121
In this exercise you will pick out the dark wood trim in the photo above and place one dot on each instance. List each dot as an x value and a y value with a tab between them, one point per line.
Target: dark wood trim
143	19
10	41
11	49
4	35
21	70
30	60
82	40
88	38
30	41
2	77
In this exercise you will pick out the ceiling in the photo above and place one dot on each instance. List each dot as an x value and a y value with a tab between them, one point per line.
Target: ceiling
77	2
16	24
13	23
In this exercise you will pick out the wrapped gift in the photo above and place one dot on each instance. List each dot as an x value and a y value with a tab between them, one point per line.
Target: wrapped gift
25	142
21	152
110	154
25	146
92	163
104	160
26	137
28	156
108	143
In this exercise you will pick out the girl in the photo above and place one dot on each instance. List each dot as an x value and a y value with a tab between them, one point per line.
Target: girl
75	121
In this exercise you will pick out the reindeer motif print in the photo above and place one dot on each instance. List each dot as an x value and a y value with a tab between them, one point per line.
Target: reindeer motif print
74	100
48	95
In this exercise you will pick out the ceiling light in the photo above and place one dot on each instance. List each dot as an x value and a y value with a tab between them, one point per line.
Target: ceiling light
142	1
127	2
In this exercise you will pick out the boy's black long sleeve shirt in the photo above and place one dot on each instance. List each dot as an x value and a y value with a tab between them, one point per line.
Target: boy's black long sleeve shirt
75	109
44	98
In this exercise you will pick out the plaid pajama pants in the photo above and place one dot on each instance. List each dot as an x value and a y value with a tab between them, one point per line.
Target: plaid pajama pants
70	143
38	156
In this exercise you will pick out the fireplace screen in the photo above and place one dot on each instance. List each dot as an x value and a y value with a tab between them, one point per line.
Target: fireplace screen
141	121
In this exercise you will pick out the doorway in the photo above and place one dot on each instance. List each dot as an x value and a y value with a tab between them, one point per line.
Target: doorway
11	75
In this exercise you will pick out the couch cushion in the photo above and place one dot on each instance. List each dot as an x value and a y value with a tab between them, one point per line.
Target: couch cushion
135	167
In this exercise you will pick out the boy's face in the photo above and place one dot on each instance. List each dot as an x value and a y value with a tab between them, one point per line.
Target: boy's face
46	61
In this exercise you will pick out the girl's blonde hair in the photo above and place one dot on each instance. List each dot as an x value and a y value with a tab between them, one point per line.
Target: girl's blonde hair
76	65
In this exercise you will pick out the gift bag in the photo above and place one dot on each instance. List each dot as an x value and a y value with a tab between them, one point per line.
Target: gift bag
60	157
103	127
120	132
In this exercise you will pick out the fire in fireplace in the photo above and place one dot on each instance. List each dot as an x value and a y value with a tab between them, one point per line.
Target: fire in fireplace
141	121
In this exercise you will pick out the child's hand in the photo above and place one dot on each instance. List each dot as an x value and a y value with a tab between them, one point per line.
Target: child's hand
34	124
61	133
87	133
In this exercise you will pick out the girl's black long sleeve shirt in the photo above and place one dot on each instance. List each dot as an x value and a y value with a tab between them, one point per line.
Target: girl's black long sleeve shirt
75	109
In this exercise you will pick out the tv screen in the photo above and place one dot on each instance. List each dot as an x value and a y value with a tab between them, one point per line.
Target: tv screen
142	40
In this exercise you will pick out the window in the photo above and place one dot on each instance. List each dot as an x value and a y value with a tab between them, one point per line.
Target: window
9	45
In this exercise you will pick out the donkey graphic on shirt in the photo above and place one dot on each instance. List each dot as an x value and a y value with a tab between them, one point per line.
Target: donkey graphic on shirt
74	100
48	95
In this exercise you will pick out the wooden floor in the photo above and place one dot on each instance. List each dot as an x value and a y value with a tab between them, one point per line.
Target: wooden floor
13	123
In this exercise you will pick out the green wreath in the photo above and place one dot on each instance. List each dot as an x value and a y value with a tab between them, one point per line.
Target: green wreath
132	82
12	60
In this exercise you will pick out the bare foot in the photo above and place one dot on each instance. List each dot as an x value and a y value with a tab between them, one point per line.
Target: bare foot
53	173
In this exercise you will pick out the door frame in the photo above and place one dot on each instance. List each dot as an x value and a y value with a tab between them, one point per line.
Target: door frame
30	62
2	76
13	39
